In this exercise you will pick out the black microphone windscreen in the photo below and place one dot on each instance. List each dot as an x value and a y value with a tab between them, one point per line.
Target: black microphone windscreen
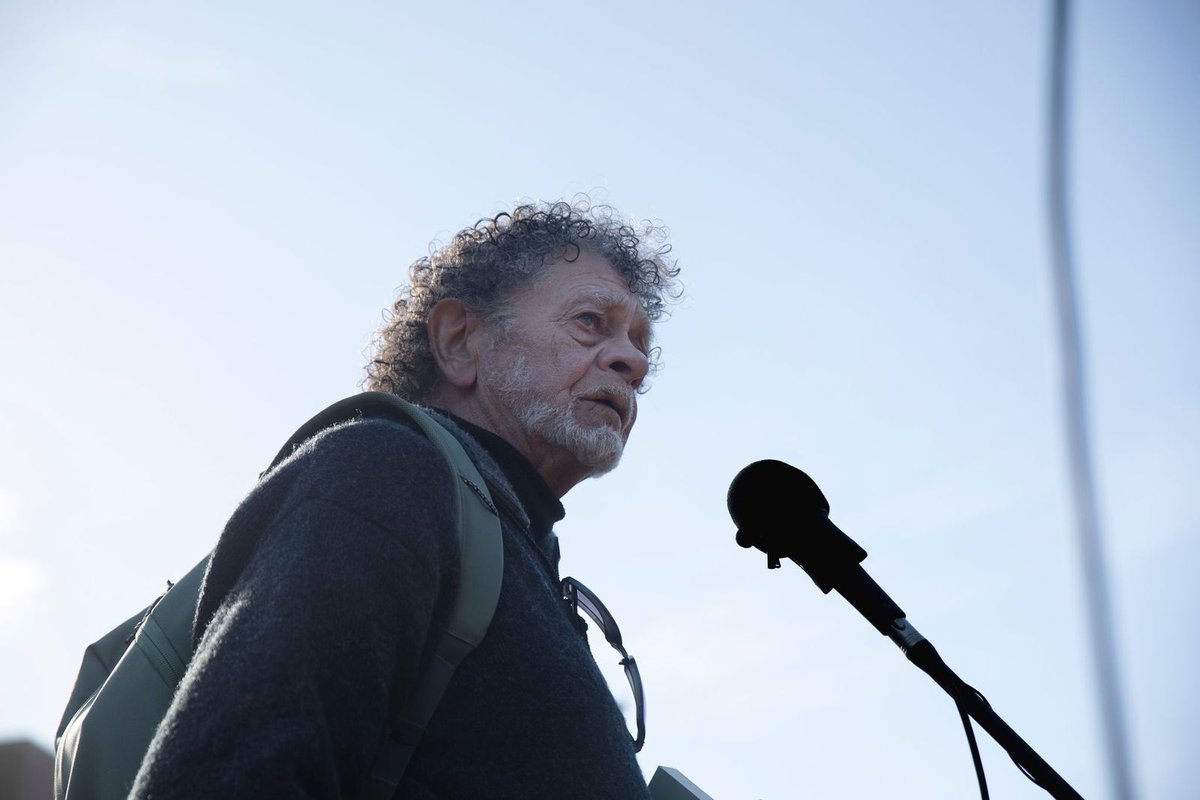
768	489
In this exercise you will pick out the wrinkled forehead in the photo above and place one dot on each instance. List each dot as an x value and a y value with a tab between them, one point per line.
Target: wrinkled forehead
599	270
602	287
603	284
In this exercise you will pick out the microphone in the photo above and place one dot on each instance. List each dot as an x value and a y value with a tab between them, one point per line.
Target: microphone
781	511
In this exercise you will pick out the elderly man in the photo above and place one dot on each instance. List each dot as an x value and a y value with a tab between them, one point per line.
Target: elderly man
530	335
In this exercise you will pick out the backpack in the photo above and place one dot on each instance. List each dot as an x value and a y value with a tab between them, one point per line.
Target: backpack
128	678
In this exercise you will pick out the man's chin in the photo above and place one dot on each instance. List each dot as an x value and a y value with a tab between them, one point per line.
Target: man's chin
596	443
602	455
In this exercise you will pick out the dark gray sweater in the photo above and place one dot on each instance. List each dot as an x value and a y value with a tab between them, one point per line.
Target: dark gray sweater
314	623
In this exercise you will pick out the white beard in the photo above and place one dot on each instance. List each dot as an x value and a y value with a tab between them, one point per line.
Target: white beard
597	447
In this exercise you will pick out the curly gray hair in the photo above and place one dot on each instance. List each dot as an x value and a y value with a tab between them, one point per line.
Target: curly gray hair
486	264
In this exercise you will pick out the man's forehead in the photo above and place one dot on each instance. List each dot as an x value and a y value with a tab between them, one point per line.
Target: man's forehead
589	279
605	296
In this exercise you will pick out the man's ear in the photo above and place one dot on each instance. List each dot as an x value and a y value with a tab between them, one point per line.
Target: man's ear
451	328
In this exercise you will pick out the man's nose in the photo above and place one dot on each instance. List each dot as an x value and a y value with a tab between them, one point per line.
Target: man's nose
623	357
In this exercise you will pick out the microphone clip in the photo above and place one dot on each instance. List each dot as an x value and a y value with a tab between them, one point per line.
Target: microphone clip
747	539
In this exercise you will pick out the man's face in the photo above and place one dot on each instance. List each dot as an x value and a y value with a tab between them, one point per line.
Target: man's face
560	377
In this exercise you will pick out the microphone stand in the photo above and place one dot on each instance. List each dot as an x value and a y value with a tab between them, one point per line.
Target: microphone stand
838	567
922	653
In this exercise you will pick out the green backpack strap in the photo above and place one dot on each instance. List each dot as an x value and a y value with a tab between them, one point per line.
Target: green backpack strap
481	568
123	690
481	571
480	545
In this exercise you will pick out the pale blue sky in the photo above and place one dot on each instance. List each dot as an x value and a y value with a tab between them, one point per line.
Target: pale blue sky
204	209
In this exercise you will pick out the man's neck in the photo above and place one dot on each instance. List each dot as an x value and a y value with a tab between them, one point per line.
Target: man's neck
560	471
541	504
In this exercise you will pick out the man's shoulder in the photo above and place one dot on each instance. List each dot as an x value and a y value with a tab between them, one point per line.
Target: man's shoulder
367	438
359	448
381	465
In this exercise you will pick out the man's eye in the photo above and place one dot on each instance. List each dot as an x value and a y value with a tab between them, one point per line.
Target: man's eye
589	319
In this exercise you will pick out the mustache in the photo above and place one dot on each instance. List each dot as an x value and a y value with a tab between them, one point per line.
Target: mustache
620	395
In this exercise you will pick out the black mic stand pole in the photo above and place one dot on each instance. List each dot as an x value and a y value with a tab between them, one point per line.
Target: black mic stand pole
923	654
845	574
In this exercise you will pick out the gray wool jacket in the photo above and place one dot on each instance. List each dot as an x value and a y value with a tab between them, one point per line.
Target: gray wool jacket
315	622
